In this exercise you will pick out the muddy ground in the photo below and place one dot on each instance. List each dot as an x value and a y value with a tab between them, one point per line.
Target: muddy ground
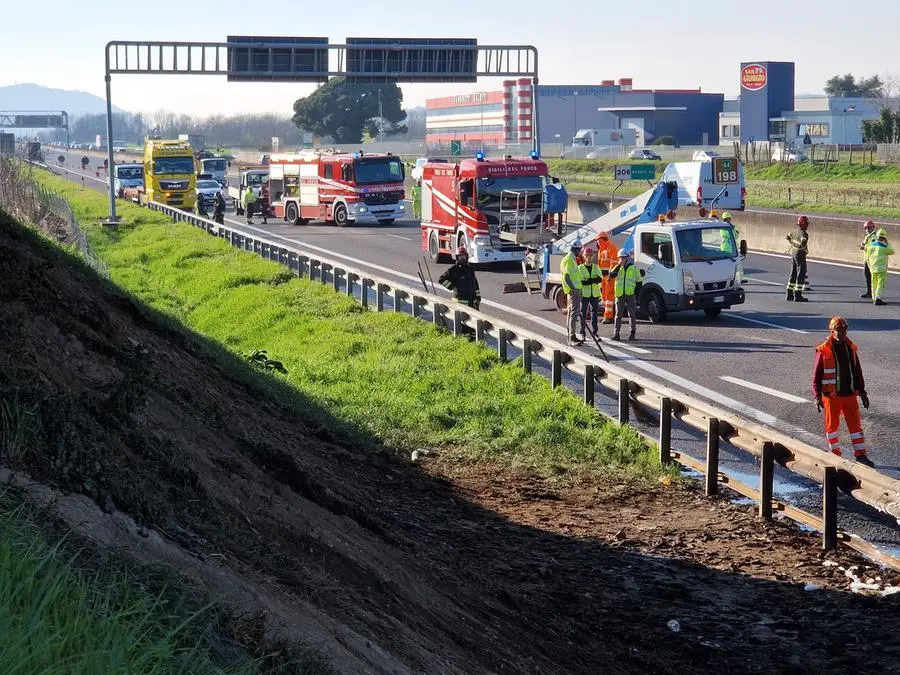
385	565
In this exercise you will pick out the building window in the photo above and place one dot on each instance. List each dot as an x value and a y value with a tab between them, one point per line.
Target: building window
487	128
777	128
726	131
815	130
328	171
736	131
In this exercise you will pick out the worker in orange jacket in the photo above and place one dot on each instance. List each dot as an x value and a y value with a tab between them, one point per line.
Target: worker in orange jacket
836	383
607	258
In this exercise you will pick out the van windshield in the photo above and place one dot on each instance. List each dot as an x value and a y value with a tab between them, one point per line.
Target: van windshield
214	164
706	244
130	172
173	165
256	179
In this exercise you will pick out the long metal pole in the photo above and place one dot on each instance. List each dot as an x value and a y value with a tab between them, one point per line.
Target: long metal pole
109	146
535	125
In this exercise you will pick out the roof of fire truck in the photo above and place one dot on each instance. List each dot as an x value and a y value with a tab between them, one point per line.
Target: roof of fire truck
482	167
312	155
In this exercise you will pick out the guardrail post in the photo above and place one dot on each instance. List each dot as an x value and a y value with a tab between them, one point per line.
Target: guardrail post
589	385
313	264
829	509
398	300
766	480
437	316
336	279
350	279
323	272
379	297
526	355
417	302
624	396
304	264
457	322
665	431
480	330
556	368
712	456
365	292
502	344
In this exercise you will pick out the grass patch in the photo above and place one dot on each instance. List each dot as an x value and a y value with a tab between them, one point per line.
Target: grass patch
56	617
384	375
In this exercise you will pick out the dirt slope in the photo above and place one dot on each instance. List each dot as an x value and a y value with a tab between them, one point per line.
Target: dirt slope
385	565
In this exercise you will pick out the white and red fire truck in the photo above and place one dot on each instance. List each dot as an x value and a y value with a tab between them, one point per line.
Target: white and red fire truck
482	205
338	188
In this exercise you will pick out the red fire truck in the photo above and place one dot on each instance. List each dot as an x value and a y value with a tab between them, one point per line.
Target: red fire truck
338	188
487	206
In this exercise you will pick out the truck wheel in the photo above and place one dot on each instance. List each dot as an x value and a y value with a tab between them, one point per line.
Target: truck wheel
560	299
654	306
712	312
340	215
290	214
434	249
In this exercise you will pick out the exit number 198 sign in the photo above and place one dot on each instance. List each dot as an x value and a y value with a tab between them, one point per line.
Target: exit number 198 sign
725	170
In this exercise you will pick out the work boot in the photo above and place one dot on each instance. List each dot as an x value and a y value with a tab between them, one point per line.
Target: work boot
867	294
790	296
864	459
631	337
616	337
608	322
879	301
798	297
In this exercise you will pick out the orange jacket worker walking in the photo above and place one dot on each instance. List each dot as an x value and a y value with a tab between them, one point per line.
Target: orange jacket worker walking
607	257
837	381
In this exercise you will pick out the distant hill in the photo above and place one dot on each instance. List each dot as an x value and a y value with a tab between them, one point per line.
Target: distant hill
36	97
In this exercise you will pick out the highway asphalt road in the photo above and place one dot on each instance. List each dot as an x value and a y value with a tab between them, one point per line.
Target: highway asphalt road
755	359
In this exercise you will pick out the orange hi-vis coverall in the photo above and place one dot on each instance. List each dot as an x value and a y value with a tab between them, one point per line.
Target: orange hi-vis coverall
838	381
607	258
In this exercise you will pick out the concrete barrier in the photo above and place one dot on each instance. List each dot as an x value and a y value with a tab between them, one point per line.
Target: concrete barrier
830	237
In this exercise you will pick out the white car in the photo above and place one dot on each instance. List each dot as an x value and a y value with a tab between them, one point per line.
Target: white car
704	156
788	155
419	167
207	189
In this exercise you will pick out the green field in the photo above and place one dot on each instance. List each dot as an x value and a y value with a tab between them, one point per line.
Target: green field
384	375
856	189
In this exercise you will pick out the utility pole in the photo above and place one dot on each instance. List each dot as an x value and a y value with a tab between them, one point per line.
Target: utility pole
380	118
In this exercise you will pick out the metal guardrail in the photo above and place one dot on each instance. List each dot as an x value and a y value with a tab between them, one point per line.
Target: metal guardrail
767	445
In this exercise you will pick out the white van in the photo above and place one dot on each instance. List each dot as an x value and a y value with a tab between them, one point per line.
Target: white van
128	175
217	167
696	187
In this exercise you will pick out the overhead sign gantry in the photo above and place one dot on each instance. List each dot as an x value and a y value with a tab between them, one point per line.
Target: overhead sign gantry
35	119
316	59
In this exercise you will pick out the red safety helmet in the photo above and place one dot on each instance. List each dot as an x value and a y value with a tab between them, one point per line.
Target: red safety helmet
869	225
587	251
462	251
803	222
603	235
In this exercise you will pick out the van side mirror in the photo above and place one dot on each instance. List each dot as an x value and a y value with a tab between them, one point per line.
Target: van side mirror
742	247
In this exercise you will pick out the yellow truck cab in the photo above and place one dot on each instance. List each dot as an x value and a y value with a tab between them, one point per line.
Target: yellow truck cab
170	174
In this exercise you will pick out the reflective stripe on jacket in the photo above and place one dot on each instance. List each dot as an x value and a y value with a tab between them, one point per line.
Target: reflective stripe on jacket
626	279
570	266
877	253
827	381
590	280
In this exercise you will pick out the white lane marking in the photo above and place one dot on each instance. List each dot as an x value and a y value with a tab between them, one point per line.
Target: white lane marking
762	281
766	390
820	262
397	236
764	323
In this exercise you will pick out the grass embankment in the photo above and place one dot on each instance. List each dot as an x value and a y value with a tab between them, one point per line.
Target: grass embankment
384	375
56	617
854	189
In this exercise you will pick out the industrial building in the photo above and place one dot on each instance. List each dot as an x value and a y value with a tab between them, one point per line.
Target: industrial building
769	110
691	117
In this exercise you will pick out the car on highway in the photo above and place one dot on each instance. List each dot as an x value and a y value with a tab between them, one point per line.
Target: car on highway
207	189
643	153
704	156
788	155
417	169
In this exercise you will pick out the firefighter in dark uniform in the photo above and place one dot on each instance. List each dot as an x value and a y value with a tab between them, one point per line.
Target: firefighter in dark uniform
461	280
799	241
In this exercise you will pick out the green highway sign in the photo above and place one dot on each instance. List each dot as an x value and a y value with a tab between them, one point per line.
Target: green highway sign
635	172
456	148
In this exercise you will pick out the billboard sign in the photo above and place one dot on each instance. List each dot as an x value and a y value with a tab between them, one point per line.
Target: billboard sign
412	60
294	59
754	77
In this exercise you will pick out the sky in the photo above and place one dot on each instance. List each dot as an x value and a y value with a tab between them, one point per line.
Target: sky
655	42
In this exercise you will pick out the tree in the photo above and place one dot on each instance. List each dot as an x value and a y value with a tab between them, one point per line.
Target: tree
884	130
847	86
344	110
